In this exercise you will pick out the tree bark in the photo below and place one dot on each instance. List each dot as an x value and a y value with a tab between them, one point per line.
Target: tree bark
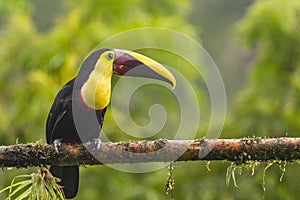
238	150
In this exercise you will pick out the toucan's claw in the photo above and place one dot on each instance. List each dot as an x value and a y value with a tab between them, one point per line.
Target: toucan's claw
97	143
57	144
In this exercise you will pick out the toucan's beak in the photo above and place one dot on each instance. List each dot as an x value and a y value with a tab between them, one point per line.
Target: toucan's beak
133	64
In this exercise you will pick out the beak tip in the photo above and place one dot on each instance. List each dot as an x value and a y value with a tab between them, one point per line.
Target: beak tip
173	84
171	80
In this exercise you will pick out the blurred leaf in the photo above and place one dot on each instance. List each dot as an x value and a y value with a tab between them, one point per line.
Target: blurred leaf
270	103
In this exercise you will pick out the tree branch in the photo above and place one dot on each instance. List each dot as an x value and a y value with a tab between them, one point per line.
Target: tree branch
237	150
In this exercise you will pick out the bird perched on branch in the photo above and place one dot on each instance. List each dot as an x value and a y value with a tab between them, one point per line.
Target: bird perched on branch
88	94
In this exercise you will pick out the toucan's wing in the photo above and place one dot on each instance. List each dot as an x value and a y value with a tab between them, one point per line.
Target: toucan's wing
60	106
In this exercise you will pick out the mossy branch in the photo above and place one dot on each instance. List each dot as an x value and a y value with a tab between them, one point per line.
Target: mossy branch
237	150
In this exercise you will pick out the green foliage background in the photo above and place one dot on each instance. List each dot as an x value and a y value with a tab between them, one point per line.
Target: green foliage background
41	49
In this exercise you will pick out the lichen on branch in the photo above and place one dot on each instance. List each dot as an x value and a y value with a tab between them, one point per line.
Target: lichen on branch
236	150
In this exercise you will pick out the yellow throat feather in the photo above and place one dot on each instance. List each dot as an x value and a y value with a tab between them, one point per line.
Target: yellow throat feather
97	89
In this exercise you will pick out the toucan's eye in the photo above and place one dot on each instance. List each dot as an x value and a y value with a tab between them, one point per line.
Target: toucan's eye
110	56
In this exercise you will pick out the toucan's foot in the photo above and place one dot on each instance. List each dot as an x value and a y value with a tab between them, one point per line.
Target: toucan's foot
57	144
97	143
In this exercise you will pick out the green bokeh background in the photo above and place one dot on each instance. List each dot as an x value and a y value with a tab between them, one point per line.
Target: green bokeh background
256	45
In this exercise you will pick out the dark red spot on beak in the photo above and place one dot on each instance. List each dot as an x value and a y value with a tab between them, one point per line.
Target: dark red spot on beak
121	69
124	63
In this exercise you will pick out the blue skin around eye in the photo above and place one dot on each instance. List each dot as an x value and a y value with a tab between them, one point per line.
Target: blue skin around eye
110	56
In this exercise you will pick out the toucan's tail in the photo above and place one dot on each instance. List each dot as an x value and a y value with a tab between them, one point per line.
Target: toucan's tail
69	176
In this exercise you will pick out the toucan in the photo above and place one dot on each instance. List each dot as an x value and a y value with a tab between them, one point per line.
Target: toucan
90	93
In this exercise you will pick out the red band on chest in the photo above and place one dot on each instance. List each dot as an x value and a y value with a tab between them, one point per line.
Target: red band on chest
81	102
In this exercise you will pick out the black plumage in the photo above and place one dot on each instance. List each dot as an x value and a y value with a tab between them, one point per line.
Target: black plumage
63	125
74	120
